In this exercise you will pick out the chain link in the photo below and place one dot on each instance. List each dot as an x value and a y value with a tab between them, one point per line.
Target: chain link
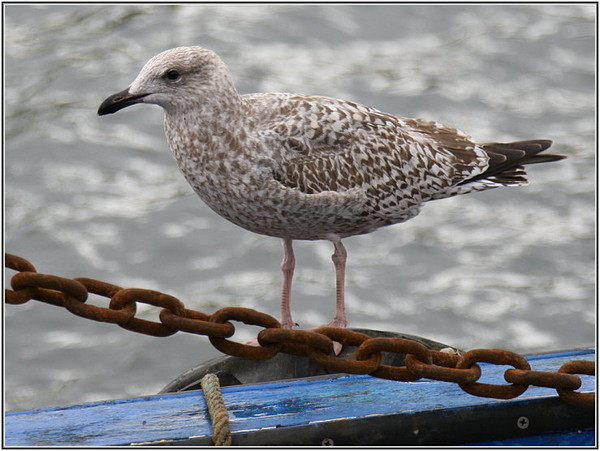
338	364
497	357
572	397
246	316
398	345
443	368
317	344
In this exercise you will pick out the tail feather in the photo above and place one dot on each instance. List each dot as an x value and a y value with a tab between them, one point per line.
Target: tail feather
506	160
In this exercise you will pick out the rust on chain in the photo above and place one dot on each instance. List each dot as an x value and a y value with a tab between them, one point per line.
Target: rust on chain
307	340
50	289
543	379
195	322
347	338
317	344
444	358
105	289
246	316
103	314
132	295
441	372
398	345
18	264
587	400
497	357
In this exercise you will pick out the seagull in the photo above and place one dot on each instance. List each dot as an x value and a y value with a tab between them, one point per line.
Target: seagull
301	167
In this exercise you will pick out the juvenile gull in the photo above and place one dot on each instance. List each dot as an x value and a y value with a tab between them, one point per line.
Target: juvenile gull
310	168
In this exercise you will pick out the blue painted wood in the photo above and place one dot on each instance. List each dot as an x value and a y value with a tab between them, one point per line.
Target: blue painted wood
295	403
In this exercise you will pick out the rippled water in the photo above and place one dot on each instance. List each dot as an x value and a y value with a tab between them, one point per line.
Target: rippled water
101	197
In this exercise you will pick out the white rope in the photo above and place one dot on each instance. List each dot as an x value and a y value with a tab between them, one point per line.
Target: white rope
219	416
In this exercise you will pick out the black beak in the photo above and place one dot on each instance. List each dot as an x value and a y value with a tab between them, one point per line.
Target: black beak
119	101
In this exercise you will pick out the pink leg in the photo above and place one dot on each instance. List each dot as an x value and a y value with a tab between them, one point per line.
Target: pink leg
287	266
339	260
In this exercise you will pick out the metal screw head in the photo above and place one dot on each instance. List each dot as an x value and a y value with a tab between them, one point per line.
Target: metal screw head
327	442
523	423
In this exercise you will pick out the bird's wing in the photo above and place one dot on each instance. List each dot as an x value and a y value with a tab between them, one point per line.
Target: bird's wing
327	144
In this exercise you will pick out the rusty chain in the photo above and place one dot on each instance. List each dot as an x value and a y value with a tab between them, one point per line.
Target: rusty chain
317	345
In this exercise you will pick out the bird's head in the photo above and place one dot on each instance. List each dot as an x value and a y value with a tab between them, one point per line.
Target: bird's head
173	79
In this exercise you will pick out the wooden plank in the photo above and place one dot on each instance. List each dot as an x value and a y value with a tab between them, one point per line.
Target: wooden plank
267	408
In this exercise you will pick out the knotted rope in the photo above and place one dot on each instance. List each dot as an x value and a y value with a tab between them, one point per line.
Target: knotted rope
219	416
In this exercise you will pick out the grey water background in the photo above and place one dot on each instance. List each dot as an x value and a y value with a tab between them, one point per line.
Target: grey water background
101	197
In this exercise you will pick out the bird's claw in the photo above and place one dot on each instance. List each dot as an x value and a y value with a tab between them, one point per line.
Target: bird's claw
337	348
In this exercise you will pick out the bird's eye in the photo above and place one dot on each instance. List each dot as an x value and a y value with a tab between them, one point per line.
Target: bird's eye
172	75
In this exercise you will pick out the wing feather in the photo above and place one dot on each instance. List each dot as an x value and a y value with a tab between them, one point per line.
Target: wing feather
334	145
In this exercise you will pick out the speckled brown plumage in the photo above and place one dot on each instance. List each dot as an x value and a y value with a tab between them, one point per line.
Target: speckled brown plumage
305	167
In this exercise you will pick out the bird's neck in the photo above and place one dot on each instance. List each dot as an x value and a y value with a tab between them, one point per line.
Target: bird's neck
206	127
207	139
